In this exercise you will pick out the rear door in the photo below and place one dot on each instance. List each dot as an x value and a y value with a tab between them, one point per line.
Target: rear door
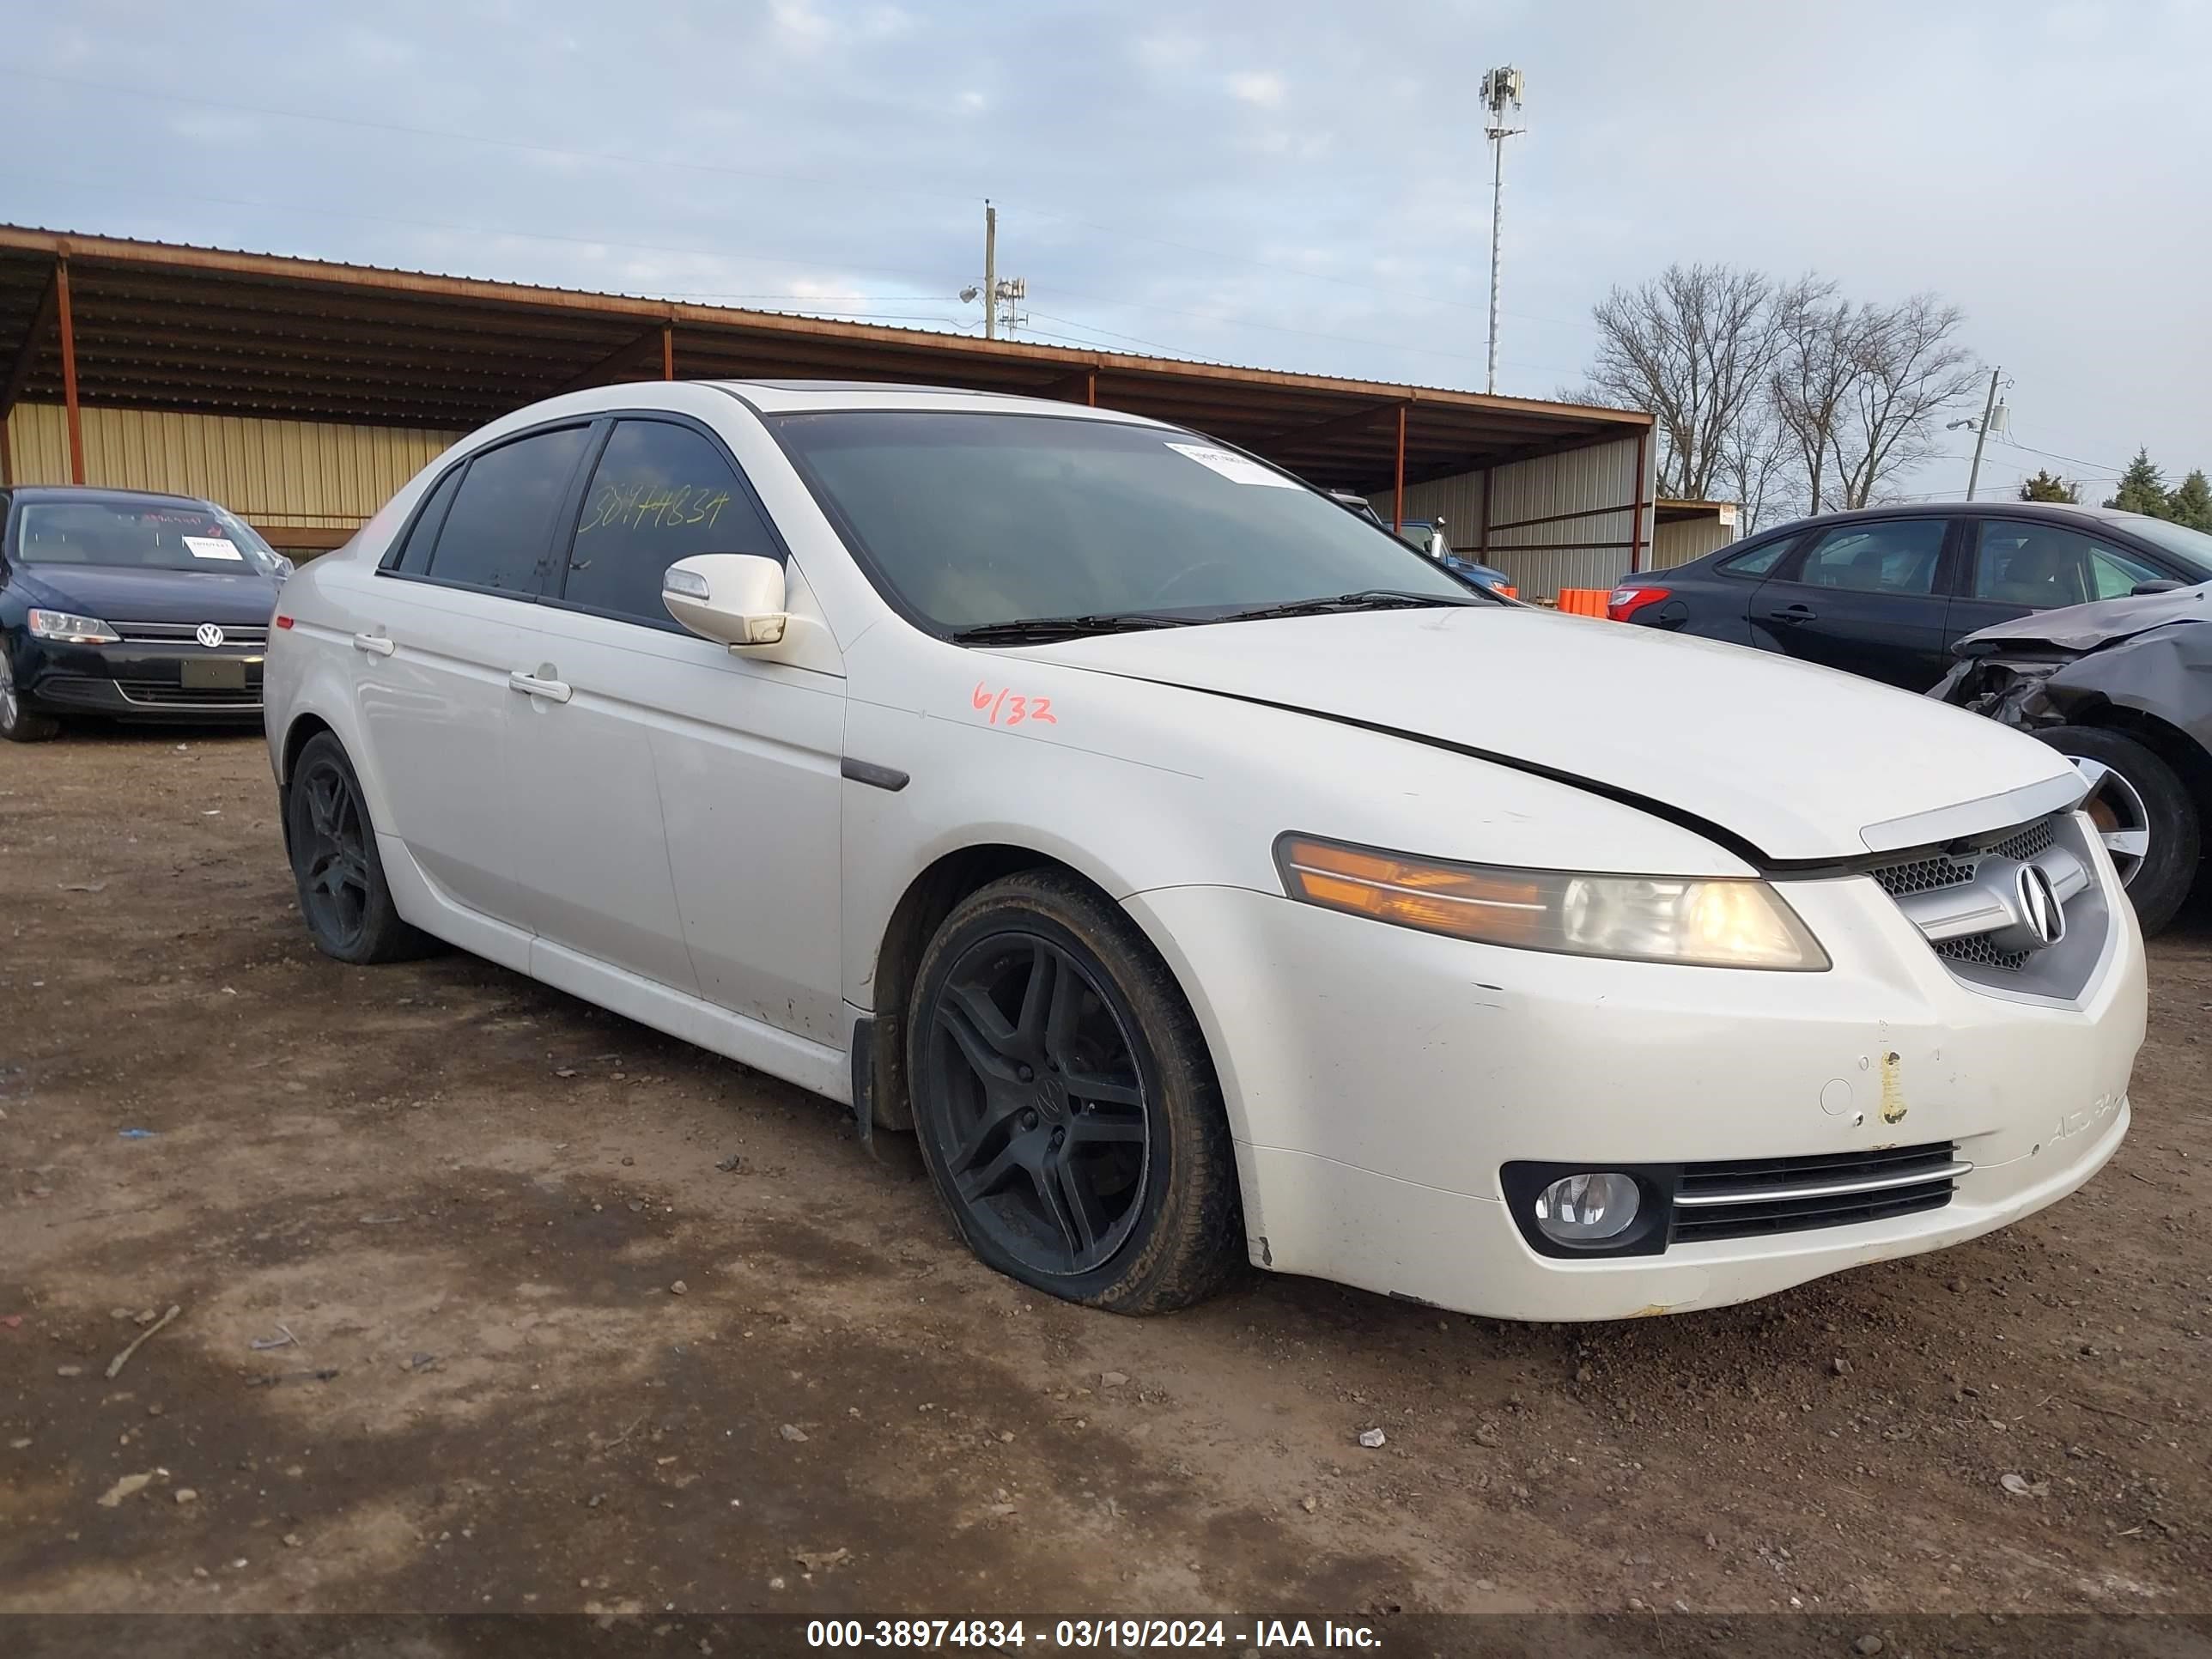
1713	598
2018	565
1868	596
453	616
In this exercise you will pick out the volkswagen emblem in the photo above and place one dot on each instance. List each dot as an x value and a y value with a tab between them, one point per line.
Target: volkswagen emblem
209	636
2041	913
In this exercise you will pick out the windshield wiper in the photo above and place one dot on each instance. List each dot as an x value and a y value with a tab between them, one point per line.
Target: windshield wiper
1032	630
1369	599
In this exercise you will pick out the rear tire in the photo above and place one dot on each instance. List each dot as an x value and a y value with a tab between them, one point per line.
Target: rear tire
1065	1103
17	723
344	898
2144	814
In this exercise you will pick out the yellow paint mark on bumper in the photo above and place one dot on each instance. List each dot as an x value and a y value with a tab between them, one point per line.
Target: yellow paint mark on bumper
1892	1089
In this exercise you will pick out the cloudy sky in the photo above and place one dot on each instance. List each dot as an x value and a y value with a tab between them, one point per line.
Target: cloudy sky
1301	184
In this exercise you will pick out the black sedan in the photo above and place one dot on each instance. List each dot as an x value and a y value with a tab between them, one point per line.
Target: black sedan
1887	592
135	606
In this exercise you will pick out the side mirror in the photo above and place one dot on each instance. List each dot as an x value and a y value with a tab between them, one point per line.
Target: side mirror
2163	584
285	568
735	599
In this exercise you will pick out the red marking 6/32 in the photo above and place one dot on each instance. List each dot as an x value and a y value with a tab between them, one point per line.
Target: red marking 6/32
1007	709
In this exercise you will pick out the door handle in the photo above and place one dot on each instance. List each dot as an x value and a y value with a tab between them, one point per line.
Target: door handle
1795	613
551	690
377	644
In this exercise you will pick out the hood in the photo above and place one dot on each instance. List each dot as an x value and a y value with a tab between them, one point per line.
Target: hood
1802	763
121	593
2085	626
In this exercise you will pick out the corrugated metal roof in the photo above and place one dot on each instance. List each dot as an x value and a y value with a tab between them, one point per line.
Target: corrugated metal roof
184	326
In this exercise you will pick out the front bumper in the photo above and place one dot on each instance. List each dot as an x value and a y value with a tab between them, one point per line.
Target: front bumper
139	682
1379	1079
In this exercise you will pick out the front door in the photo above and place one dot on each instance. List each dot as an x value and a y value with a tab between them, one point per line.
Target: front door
1867	598
682	811
450	616
2022	565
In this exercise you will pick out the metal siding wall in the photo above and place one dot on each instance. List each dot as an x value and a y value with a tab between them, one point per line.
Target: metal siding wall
1689	538
1552	555
1456	500
300	473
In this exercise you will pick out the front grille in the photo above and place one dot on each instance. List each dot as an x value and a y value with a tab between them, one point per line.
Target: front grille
167	694
1747	1198
1979	950
255	634
1924	876
2035	839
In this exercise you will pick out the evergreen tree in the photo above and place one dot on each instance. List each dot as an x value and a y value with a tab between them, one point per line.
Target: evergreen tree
2143	488
2192	503
2048	487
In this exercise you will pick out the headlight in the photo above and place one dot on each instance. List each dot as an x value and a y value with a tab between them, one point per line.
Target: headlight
1698	922
72	630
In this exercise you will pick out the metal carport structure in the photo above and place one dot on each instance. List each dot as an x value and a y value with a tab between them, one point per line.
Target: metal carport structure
94	323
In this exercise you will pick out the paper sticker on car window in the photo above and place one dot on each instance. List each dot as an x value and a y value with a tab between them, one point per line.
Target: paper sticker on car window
213	547
1237	469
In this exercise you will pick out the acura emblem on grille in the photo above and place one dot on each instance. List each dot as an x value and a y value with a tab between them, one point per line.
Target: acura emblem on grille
209	636
2040	911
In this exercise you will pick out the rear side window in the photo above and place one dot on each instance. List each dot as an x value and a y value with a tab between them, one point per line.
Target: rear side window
659	493
423	536
1758	560
1891	556
501	524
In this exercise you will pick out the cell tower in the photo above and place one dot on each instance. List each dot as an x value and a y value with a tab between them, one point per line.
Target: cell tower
1500	88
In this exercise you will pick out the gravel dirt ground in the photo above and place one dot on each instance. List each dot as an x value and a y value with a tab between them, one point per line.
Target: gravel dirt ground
570	1317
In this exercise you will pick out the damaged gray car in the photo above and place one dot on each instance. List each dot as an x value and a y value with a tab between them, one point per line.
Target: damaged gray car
2124	687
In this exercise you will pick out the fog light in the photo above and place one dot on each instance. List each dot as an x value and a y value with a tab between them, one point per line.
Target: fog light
1587	1209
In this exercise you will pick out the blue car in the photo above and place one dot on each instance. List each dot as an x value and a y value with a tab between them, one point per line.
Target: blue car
130	606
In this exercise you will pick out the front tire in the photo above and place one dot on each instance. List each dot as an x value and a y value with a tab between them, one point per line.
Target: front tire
1065	1105
344	898
19	724
2144	813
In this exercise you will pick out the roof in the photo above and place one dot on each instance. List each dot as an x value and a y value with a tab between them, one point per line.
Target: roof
161	325
1960	509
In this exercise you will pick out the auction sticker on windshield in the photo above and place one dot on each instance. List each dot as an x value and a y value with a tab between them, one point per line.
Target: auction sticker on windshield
1237	469
213	547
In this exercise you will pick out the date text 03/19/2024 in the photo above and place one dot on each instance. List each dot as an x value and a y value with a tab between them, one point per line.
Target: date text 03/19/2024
1080	1634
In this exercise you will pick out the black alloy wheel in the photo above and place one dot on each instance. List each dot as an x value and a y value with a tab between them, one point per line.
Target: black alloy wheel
1038	1080
333	852
1067	1110
344	898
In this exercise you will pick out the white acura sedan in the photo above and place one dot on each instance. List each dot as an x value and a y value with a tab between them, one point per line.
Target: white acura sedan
1199	871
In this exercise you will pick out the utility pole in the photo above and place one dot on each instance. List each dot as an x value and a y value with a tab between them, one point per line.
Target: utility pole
1982	434
1500	87
994	293
1994	416
990	270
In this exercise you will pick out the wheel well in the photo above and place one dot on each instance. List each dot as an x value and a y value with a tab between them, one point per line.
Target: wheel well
2168	742
922	909
303	730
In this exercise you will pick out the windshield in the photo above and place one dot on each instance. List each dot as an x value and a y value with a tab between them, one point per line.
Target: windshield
976	520
140	536
2192	545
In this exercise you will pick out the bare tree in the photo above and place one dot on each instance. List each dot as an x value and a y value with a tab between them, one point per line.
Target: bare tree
1810	387
1910	368
1696	347
1757	471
